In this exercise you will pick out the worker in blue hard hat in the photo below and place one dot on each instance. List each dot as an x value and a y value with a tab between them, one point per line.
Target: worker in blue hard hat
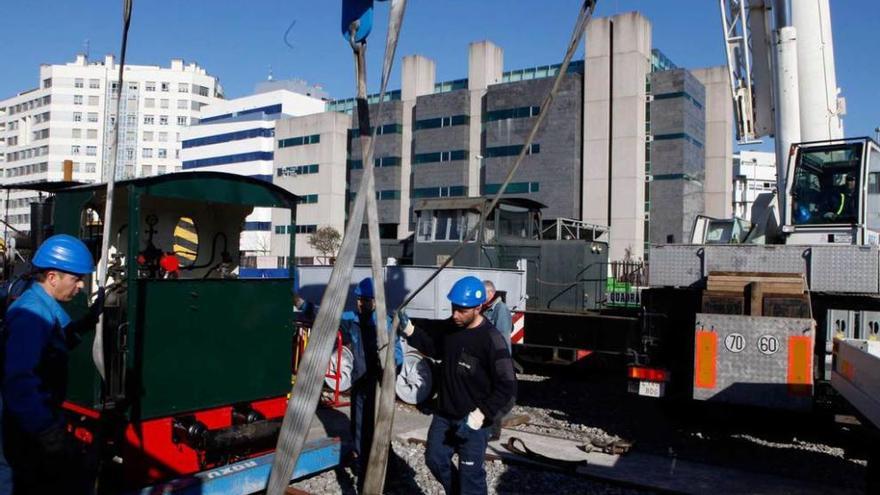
37	335
359	332
476	383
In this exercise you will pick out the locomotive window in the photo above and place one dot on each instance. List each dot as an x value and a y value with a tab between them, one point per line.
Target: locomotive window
186	241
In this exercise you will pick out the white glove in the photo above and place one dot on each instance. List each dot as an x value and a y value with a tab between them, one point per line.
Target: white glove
408	329
475	419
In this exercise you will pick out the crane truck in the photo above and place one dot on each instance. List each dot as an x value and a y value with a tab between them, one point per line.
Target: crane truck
789	310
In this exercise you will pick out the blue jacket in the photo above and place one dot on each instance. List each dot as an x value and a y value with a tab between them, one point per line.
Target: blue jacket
363	343
499	315
35	351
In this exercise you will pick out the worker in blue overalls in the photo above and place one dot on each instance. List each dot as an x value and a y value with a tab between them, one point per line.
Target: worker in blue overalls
359	332
37	335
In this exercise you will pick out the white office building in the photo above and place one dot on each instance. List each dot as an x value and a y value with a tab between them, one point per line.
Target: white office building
754	173
70	116
238	136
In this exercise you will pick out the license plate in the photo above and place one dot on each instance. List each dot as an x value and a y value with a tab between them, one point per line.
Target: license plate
647	389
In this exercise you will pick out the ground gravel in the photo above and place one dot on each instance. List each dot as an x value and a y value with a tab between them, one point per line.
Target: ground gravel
407	474
588	405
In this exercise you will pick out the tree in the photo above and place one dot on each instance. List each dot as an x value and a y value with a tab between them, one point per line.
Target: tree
326	240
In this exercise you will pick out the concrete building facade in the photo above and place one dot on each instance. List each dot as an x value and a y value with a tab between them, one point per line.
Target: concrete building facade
678	169
592	158
238	136
311	158
70	116
718	146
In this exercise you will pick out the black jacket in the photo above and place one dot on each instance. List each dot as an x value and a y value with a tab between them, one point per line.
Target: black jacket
476	369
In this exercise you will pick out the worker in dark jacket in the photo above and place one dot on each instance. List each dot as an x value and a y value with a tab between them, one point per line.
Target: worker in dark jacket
37	335
359	333
476	382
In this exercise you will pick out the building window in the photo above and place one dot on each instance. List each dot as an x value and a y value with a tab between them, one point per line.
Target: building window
146	170
383	129
441	122
513	188
308	199
299	141
77	133
387	194
223	160
306	229
163	120
92	134
513	150
181	120
77	99
511	113
150	86
75	149
132	86
93	116
161	169
95	83
163	137
440	156
163	153
91	150
439	192
163	103
93	101
293	171
183	87
91	167
47	83
147	153
149	119
229	136
78	82
182	104
149	103
166	87
148	136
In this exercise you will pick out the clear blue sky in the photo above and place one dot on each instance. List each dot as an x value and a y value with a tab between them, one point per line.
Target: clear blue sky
238	40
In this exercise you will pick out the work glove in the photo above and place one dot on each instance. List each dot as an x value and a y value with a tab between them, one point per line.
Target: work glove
90	319
475	419
53	441
828	216
405	328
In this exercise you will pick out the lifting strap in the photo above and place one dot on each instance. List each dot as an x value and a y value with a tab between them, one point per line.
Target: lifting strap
98	342
306	391
385	402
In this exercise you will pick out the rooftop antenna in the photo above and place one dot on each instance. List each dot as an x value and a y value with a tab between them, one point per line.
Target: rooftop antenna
270	73
86	48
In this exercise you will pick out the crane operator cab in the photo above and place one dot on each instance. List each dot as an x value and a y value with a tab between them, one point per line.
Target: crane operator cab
834	193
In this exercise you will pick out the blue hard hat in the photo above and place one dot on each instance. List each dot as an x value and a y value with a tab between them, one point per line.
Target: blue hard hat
364	288
64	253
468	292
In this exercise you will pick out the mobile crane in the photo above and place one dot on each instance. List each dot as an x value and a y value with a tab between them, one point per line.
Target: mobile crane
769	320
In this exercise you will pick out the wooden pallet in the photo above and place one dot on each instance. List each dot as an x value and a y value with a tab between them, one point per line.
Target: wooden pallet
757	294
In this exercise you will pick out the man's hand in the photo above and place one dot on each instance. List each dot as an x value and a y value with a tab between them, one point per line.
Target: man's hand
53	441
405	327
90	319
475	419
828	216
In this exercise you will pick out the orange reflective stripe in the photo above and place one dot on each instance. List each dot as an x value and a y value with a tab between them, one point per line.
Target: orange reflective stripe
800	364
706	360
